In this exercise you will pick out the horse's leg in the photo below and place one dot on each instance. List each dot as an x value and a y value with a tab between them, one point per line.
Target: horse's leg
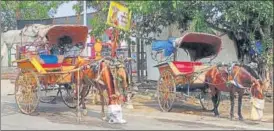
85	112
217	101
232	92
100	89
240	92
214	100
103	115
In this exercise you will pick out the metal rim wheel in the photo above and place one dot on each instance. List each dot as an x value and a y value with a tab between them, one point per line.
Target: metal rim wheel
48	95
68	97
166	91
205	100
87	92
27	88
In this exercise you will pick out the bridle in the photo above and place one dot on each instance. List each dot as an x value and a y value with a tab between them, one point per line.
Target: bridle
253	93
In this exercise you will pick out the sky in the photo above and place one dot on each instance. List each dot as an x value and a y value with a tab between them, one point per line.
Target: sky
66	9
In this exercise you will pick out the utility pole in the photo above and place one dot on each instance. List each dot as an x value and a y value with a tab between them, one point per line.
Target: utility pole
85	13
85	24
138	58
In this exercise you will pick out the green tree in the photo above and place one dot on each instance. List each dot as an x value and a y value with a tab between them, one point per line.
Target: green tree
243	21
26	10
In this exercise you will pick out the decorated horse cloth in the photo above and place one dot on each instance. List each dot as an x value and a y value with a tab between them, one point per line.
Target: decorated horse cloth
166	45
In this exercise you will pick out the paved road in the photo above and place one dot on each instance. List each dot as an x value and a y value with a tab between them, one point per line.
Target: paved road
58	116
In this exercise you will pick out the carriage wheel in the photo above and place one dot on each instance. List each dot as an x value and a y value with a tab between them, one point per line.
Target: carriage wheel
68	96
205	100
166	91
48	94
27	88
89	87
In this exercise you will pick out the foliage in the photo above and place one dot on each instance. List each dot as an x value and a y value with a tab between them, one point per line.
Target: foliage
243	21
27	10
98	23
198	24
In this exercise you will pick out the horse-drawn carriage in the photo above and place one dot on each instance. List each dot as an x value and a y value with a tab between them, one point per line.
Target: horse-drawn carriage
207	79
55	62
178	76
43	69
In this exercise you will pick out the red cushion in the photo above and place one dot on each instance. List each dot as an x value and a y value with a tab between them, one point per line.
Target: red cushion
186	67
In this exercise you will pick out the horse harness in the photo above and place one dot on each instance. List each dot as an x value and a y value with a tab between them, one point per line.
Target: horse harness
230	74
230	77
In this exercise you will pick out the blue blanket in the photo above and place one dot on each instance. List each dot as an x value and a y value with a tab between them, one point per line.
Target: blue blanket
258	48
165	45
49	59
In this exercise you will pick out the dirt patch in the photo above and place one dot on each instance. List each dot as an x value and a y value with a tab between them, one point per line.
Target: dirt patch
192	106
196	125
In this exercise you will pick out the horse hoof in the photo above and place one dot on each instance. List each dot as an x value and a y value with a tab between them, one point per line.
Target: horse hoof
241	119
217	116
85	112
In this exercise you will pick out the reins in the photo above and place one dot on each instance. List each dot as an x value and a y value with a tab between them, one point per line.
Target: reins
225	81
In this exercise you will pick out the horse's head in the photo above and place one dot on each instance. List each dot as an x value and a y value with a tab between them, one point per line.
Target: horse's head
123	75
265	84
260	81
257	89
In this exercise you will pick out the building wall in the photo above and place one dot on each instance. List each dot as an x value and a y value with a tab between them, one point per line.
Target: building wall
58	21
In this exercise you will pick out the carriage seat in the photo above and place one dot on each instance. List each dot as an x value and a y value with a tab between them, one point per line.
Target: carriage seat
52	62
186	67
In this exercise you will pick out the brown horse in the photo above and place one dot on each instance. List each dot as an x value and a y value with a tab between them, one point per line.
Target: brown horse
122	78
232	79
102	78
121	82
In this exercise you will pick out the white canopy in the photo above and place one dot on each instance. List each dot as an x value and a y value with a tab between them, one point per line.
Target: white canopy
37	34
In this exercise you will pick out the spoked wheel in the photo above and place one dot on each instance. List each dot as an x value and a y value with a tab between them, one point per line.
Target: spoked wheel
88	90
27	88
68	96
48	94
205	100
166	91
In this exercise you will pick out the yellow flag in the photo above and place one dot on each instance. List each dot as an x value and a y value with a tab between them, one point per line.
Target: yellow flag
119	16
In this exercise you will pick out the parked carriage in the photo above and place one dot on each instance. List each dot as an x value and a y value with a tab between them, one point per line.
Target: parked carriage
178	77
42	71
